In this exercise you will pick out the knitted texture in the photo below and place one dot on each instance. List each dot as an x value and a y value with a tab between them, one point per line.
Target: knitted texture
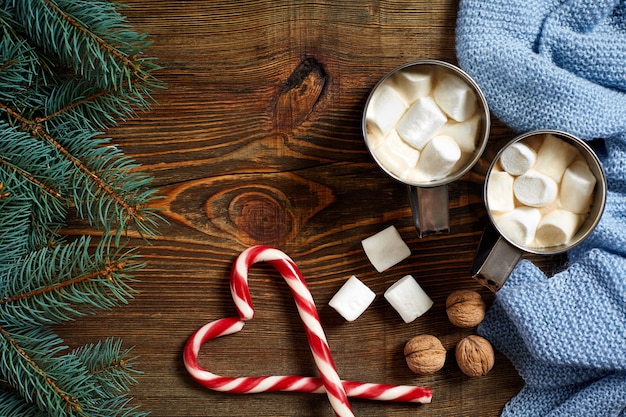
550	64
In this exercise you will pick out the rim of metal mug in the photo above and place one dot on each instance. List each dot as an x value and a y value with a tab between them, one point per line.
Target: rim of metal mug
598	205
482	142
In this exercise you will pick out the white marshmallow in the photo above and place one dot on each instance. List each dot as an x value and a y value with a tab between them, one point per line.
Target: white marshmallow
455	97
439	157
396	155
520	225
577	187
500	196
352	299
385	249
535	189
415	176
465	133
557	228
413	84
554	156
518	158
386	107
421	122
408	298
373	136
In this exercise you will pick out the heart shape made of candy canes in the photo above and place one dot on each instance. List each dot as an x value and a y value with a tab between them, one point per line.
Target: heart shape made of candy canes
329	382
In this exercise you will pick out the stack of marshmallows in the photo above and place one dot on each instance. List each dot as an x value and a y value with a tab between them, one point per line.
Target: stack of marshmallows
422	123
540	191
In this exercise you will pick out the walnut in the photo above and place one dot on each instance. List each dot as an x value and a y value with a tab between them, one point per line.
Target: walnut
475	356
425	354
465	308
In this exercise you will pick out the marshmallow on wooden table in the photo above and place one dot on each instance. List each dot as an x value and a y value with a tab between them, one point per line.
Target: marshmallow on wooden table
557	228
520	225
464	133
385	249
396	155
535	189
438	157
352	299
421	122
408	298
386	107
455	97
413	84
554	156
500	191
518	158
577	187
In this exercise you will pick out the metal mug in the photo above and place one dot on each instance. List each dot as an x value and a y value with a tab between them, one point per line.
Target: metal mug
497	254
429	198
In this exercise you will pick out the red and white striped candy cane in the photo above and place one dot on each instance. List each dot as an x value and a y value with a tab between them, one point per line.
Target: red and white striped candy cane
329	382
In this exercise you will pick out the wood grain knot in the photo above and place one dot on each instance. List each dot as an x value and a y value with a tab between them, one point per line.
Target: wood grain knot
268	208
261	217
299	95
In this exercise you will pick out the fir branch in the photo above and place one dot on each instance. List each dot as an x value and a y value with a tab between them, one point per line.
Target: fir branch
80	27
18	63
88	381
19	172
94	187
38	131
11	404
68	69
57	284
15	225
30	207
26	69
119	406
28	172
15	67
35	384
58	381
109	364
81	103
92	37
70	102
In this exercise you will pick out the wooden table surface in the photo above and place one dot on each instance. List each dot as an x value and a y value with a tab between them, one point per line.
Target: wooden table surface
257	140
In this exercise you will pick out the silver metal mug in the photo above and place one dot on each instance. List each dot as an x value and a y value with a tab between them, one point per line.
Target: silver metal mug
497	254
429	198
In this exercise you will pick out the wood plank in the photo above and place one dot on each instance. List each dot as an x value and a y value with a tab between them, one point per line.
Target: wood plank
257	140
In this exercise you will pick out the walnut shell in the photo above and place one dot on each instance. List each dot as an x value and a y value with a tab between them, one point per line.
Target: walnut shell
425	354
475	356
465	308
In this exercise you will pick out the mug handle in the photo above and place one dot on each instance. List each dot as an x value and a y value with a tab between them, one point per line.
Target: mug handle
494	260
430	209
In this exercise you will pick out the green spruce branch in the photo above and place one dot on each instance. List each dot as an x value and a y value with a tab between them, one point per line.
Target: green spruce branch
101	175
69	69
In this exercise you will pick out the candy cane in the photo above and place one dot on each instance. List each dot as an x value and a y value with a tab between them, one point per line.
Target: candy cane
329	382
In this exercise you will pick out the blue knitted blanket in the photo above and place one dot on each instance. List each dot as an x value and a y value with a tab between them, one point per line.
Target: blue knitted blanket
560	64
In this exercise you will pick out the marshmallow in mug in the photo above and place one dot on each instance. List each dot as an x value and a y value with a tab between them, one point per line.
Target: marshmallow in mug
423	123
540	191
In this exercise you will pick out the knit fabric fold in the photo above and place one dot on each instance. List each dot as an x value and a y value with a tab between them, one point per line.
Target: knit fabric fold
555	64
